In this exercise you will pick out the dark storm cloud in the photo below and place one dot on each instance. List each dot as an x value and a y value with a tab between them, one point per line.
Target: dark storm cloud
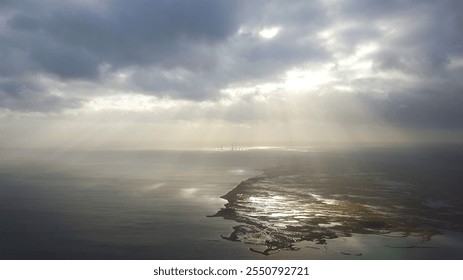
72	42
243	57
425	49
124	34
417	34
266	61
296	14
177	84
258	60
143	32
432	105
194	49
28	96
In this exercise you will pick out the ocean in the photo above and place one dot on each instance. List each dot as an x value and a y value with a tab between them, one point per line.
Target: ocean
265	203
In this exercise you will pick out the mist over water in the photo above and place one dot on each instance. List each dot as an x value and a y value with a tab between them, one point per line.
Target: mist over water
118	204
103	204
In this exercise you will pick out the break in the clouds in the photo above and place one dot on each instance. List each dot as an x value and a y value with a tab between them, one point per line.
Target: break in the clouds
395	64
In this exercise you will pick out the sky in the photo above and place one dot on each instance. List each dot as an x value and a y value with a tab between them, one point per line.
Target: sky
147	74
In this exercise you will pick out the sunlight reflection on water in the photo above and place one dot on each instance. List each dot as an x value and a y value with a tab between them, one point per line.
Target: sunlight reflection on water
277	211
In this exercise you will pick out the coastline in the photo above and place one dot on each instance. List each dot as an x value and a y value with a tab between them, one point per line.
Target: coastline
290	208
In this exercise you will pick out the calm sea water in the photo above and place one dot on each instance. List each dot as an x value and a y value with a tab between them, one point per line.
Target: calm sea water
96	204
119	204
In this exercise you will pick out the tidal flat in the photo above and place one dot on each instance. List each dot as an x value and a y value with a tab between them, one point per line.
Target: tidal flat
336	204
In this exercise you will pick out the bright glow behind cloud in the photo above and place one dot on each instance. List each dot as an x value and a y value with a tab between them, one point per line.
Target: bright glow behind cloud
270	32
144	72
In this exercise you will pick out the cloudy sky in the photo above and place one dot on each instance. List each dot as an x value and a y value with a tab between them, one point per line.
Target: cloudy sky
142	73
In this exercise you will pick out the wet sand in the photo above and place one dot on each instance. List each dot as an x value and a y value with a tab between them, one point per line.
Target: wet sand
336	207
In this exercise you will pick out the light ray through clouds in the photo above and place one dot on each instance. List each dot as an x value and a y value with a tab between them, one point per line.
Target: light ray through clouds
167	73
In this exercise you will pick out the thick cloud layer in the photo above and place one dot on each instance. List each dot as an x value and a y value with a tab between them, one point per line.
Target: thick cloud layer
402	60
